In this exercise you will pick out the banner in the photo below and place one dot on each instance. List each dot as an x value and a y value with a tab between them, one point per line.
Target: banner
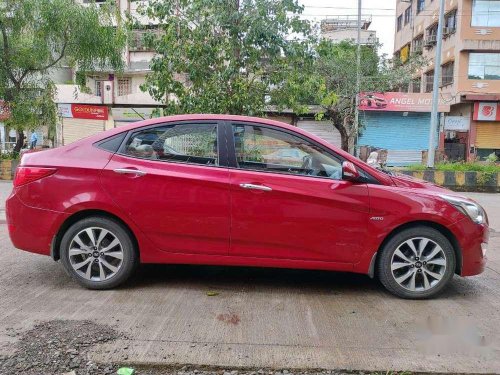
83	111
132	114
486	111
399	102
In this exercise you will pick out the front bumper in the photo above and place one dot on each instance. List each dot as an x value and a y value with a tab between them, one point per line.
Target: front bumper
473	241
31	229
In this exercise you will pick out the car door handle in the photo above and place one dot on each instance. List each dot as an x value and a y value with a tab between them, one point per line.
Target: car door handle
255	187
130	171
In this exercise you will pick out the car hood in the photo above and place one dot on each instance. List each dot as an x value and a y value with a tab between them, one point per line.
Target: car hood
425	187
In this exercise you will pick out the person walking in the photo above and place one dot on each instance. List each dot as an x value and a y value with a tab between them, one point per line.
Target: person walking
33	140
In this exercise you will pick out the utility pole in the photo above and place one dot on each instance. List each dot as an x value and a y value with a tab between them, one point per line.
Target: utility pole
435	93
358	78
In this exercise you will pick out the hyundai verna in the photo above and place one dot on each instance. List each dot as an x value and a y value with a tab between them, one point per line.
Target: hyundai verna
238	191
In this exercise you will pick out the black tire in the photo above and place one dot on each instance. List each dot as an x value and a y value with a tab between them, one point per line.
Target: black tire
129	262
384	262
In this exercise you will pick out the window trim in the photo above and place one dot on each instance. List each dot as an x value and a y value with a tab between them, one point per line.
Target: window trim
367	177
221	140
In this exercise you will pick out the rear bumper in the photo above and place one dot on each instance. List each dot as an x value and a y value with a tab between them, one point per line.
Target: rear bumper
31	229
473	240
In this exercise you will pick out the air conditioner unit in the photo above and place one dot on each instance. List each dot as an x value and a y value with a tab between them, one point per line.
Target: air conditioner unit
107	92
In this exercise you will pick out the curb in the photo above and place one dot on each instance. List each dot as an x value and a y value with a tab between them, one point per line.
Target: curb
460	181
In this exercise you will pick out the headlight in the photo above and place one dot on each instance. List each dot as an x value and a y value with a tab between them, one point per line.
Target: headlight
468	208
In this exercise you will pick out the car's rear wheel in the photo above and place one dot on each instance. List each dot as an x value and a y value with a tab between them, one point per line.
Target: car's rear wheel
98	252
416	263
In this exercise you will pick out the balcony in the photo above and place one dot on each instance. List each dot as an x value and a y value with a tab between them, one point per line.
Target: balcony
72	94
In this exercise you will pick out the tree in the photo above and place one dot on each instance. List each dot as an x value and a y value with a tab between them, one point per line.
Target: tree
329	81
39	36
222	56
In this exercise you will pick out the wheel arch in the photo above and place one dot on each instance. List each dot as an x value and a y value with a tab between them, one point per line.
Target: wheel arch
83	214
441	228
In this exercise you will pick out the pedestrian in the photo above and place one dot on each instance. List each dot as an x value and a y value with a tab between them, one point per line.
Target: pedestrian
33	140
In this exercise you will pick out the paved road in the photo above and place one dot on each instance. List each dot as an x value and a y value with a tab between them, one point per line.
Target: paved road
265	317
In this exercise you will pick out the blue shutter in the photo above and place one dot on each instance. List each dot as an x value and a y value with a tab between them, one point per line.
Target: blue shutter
406	136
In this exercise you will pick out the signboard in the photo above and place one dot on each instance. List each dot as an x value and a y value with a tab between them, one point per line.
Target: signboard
83	111
399	102
457	123
132	114
486	111
4	111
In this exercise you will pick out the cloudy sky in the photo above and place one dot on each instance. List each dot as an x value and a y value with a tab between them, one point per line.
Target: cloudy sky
383	13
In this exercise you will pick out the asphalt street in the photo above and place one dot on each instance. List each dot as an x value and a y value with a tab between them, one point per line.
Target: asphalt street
263	318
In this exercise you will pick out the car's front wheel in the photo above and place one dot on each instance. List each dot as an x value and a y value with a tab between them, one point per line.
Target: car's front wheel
416	263
98	252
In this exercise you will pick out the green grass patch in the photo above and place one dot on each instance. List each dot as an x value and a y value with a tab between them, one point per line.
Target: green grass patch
458	167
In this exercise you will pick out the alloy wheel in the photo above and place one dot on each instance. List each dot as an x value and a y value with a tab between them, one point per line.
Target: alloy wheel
418	264
96	254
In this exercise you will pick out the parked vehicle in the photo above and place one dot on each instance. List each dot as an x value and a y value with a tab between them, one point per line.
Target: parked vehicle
210	190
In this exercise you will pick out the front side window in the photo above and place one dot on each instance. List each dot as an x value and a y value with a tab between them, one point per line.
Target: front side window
187	143
264	149
484	66
399	25
485	13
429	81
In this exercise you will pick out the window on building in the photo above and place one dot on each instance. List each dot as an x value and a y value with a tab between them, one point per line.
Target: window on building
485	13
124	86
420	5
400	23
99	85
418	44
431	35
447	73
484	66
415	85
429	81
450	23
408	15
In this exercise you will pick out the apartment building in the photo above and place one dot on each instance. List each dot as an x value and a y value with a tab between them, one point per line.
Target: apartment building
342	28
470	69
114	99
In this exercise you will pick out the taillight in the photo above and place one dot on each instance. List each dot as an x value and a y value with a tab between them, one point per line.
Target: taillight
25	175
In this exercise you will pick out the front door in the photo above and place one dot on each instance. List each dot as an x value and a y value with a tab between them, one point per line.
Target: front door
289	200
170	182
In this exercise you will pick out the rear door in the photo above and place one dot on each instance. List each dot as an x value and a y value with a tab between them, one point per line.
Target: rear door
172	181
289	200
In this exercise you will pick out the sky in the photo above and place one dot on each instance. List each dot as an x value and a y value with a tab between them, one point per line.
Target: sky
383	13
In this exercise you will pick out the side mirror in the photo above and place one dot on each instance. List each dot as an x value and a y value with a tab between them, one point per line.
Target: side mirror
349	172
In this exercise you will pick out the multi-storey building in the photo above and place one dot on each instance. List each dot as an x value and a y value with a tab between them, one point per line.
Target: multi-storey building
113	98
346	28
470	68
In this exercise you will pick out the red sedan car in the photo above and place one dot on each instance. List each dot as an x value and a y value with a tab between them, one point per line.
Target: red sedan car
215	189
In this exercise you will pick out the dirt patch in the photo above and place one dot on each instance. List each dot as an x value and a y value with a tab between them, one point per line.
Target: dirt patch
57	347
229	318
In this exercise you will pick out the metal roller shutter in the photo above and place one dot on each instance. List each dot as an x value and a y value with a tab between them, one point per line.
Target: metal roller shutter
75	129
121	123
405	137
322	129
488	135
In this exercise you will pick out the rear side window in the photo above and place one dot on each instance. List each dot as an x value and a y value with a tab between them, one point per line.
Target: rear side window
187	143
112	144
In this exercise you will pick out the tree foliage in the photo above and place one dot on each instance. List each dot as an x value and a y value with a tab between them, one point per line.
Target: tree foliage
329	81
223	56
39	36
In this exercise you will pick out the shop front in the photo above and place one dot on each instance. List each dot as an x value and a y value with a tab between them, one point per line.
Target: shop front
397	125
81	120
123	116
486	125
